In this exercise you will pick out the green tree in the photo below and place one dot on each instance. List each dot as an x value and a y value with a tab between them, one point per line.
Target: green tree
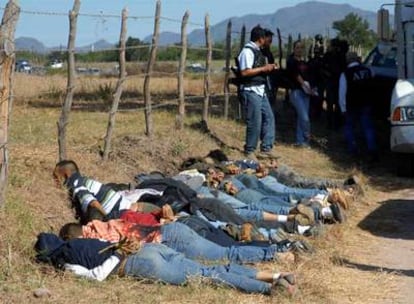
139	53
355	30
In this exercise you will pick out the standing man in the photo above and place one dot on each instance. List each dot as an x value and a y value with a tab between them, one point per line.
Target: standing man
258	114
334	64
356	105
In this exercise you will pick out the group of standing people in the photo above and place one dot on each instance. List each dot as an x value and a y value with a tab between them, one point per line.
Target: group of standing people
338	73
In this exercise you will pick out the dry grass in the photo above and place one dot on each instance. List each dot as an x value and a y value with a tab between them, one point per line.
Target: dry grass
35	205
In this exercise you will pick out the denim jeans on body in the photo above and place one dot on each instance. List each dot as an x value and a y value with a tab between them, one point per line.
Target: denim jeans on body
183	239
363	117
300	101
252	182
287	176
160	263
260	122
259	201
242	209
272	182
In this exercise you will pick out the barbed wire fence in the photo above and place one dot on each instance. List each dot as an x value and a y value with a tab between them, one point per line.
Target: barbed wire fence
72	79
181	101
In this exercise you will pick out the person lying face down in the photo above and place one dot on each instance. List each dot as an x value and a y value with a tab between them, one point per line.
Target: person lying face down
90	198
95	259
180	238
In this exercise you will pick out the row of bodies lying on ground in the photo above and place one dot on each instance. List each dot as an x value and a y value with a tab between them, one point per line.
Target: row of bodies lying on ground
151	261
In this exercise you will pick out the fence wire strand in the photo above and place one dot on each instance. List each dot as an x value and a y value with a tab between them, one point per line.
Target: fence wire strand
162	103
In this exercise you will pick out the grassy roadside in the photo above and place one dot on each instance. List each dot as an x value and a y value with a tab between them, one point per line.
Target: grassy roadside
34	204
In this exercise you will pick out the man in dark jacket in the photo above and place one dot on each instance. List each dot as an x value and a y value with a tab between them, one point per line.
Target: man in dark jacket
96	260
356	105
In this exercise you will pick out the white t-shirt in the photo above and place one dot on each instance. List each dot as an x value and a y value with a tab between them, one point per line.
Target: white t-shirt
246	61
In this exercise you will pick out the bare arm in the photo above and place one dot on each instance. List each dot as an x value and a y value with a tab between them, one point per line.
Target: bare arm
97	205
255	71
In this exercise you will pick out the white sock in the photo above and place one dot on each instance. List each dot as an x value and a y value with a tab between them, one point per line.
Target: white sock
282	218
302	229
276	276
327	212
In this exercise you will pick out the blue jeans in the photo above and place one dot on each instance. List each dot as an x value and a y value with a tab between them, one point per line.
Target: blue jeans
252	182
160	263
242	209
260	122
272	182
183	239
259	201
362	115
300	101
287	176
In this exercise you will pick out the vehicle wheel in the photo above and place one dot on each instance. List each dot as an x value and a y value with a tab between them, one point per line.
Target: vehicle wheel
405	164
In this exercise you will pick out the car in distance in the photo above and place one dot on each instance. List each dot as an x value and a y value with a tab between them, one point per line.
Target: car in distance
56	64
23	66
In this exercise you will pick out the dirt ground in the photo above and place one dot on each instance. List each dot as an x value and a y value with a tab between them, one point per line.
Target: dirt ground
368	259
394	250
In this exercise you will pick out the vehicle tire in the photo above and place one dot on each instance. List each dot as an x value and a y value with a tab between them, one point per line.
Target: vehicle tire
404	164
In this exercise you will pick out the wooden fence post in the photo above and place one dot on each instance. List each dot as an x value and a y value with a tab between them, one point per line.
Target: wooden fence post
227	75
120	82
242	43
181	70
67	105
208	69
151	61
7	59
242	37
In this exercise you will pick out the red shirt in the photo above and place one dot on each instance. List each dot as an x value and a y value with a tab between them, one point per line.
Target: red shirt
144	219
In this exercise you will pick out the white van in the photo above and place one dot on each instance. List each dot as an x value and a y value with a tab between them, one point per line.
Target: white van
402	117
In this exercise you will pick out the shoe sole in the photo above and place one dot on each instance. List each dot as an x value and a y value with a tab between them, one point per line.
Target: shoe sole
285	286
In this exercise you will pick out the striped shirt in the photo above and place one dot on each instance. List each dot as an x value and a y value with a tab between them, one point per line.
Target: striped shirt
85	190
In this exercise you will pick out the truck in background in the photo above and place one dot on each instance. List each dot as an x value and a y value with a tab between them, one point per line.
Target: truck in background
395	62
402	100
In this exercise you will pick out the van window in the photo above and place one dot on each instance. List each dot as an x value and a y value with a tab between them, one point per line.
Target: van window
387	60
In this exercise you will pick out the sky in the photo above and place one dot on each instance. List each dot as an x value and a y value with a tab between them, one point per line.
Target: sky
52	30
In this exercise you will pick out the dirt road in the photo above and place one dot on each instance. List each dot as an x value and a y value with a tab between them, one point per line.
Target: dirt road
392	225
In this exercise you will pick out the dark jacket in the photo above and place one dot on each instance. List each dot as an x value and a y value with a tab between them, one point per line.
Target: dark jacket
358	80
259	61
88	253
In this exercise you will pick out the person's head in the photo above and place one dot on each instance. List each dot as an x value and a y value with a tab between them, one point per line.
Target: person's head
334	45
298	48
268	37
343	46
63	170
70	231
257	35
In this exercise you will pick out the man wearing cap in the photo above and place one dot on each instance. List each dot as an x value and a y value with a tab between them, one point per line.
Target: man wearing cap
356	105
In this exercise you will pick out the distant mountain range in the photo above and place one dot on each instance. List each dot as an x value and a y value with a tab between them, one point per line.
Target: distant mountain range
307	18
34	45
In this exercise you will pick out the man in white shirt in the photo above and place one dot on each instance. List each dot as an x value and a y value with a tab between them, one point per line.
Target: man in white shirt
258	114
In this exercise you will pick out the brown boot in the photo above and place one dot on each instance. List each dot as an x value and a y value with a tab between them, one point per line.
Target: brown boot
246	232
